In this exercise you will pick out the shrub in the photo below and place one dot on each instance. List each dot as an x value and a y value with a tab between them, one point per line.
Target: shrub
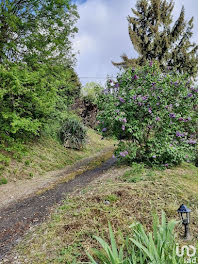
153	114
141	248
73	134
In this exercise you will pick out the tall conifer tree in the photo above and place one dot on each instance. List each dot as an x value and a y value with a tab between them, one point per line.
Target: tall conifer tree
155	37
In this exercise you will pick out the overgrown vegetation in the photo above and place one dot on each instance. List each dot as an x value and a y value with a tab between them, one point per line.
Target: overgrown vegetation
69	233
38	81
153	114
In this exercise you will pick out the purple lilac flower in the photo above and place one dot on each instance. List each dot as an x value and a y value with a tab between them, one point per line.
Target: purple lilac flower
154	83
124	120
180	119
166	165
144	98
117	85
170	145
124	153
113	156
154	156
192	141
105	91
134	97
187	119
117	111
158	103
123	127
172	115
150	111
104	129
157	118
139	103
121	100
136	77
189	95
98	122
176	83
178	134
151	63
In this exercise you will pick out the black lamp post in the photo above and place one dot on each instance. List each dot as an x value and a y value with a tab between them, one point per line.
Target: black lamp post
184	214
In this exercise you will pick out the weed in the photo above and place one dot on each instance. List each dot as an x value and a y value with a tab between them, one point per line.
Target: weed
3	181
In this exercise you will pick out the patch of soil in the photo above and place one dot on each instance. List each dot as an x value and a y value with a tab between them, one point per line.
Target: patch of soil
18	217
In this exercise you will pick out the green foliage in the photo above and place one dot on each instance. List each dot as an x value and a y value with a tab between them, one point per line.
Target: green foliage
3	181
91	92
153	114
134	174
155	37
37	31
110	254
155	247
27	98
196	157
73	134
30	99
38	81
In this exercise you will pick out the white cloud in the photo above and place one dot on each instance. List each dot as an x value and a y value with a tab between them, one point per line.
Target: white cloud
103	34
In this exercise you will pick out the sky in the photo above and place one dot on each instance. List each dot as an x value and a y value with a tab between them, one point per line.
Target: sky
103	35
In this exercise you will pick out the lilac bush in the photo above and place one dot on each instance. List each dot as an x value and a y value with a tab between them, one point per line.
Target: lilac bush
153	114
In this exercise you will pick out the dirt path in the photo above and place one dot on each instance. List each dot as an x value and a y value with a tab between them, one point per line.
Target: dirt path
16	191
17	218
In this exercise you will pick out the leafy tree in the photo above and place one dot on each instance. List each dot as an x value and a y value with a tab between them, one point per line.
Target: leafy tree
36	30
155	38
91	91
26	102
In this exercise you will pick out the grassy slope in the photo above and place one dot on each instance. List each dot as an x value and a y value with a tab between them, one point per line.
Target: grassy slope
133	196
48	154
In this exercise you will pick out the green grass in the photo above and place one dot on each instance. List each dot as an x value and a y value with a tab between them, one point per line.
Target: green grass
68	234
3	180
47	154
